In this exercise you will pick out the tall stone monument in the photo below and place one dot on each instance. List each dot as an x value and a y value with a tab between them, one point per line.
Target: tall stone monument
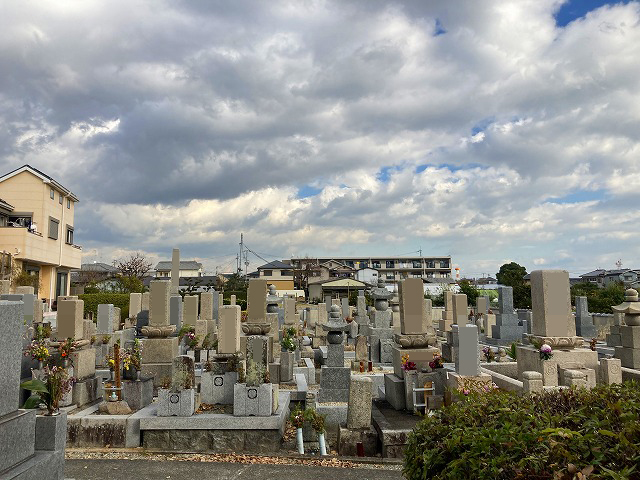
334	382
380	330
553	325
159	349
584	320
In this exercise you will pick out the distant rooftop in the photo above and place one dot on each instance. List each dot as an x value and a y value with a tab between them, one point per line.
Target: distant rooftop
276	264
43	176
165	266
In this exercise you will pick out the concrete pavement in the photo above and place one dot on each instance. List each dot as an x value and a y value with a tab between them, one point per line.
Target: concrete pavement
183	470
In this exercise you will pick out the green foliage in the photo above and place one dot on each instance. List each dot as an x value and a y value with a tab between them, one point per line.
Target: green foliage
236	283
92	300
241	297
24	279
511	351
600	299
511	275
471	291
555	434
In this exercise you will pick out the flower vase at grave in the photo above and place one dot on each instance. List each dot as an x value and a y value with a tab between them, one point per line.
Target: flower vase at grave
322	444
138	375
40	364
299	440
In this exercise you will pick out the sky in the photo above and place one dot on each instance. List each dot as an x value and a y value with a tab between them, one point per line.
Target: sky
491	131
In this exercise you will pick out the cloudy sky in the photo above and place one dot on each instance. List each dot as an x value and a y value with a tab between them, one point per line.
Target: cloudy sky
490	131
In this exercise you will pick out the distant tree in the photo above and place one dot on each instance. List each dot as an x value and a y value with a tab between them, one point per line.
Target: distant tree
471	291
135	265
128	285
512	275
236	283
599	299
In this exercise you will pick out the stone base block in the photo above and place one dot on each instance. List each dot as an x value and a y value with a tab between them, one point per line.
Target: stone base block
51	432
334	384
630	336
17	431
349	438
394	391
252	400
159	350
176	404
587	330
84	363
529	361
335	355
507	332
614	340
420	356
629	357
274	372
217	389
85	391
158	371
138	394
460	382
102	350
449	352
381	319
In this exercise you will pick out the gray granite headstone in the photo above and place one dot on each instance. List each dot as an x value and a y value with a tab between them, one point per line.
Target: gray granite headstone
216	305
11	322
468	359
106	314
175	311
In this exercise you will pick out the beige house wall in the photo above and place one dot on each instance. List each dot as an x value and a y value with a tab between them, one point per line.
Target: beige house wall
29	194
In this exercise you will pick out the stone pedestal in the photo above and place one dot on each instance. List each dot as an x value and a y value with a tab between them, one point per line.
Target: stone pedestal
360	398
84	363
138	393
252	400
420	356
481	382
287	360
334	384
217	388
176	404
529	360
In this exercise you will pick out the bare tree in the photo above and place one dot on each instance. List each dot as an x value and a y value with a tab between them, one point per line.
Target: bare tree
135	265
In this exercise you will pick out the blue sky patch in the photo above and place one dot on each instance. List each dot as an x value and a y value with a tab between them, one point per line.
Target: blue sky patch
574	9
308	191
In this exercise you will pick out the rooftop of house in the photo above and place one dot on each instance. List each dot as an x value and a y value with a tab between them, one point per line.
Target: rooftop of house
165	266
276	264
43	176
98	267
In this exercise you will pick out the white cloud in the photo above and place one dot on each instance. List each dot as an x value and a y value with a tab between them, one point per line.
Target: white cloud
187	124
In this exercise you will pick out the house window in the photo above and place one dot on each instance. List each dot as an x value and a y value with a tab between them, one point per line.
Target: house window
53	228
69	238
267	273
286	273
60	199
68	203
52	194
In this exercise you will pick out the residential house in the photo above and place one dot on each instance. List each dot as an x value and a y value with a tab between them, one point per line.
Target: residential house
277	273
188	268
37	227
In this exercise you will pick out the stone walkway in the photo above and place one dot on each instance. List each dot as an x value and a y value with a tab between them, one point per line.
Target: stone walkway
152	469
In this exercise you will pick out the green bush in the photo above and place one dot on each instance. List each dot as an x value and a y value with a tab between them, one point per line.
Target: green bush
92	300
555	434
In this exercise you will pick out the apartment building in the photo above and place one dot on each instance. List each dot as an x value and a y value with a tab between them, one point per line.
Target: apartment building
390	269
37	228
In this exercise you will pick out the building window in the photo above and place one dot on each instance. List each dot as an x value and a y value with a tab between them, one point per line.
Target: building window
376	264
52	194
53	228
68	203
390	263
417	264
69	239
444	264
267	273
60	199
286	273
389	276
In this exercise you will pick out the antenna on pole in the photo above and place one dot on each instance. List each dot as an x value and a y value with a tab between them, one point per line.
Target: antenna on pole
619	264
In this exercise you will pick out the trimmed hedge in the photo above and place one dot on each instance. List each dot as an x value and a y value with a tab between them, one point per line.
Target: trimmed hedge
555	434
92	300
